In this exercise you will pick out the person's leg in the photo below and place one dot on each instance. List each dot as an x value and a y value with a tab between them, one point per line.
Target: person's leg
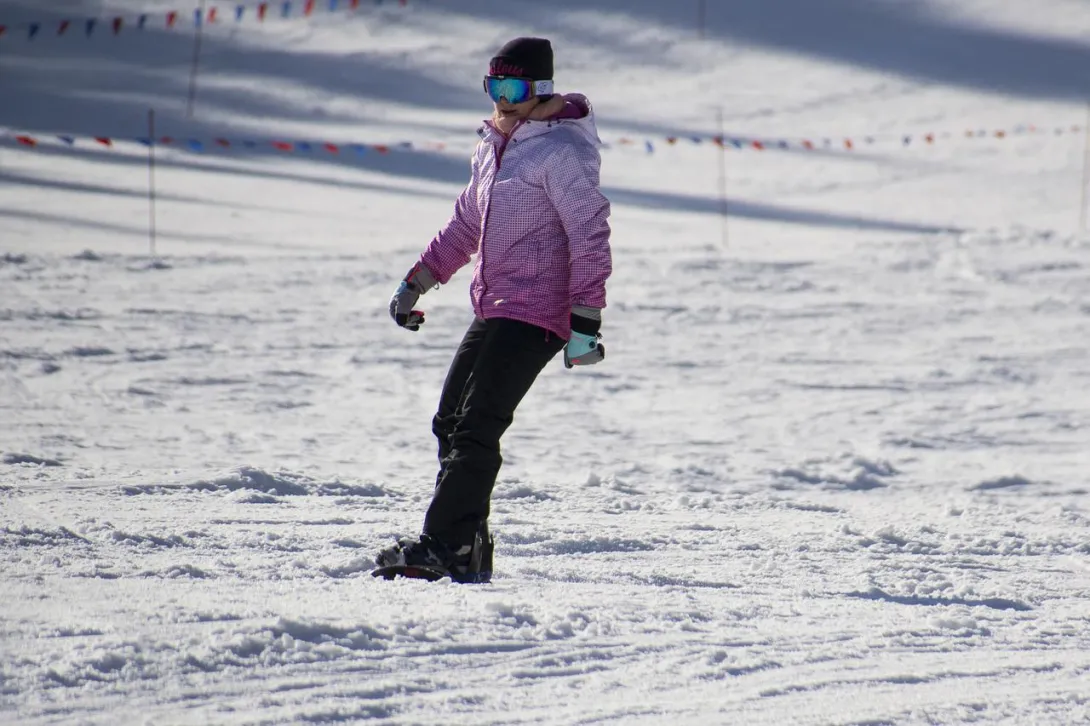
508	361
450	399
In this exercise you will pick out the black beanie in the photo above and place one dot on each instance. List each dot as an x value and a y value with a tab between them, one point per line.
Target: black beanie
525	58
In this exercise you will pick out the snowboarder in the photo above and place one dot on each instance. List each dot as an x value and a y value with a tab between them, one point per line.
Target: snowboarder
534	215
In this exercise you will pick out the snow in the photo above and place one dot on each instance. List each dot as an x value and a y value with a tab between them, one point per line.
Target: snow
833	470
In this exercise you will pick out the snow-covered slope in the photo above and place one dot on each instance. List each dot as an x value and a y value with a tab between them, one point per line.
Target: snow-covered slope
833	470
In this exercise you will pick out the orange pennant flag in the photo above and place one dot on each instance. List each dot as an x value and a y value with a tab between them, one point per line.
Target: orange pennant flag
807	144
848	144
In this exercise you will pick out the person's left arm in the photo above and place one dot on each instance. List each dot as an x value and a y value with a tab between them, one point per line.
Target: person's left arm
572	183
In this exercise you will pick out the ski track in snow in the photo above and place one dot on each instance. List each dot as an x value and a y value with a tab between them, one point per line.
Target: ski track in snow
834	469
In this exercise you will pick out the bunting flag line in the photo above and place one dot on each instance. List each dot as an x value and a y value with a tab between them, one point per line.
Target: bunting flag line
259	11
650	146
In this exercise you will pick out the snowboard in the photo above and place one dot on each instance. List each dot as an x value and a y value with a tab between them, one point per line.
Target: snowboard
431	574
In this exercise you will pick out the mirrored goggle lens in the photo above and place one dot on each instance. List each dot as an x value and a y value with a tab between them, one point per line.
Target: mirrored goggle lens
515	90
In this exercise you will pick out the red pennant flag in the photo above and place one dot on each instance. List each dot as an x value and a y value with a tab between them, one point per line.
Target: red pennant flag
224	143
717	140
262	10
166	140
758	146
117	25
1000	134
282	145
172	18
308	8
404	2
930	138
849	144
382	149
63	27
354	4
26	141
807	144
104	141
671	140
3	29
212	15
331	148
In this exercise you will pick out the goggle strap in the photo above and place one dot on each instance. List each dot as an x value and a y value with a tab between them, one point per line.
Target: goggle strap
543	88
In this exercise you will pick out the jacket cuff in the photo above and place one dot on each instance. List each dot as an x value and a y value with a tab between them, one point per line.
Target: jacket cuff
586	320
421	278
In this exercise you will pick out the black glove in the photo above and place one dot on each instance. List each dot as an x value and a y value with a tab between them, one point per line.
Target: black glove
416	283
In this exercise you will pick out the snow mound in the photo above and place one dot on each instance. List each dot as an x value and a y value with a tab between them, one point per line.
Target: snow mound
15	459
852	473
256	486
1003	482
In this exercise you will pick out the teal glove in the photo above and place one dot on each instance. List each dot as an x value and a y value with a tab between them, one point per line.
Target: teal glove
583	350
585	347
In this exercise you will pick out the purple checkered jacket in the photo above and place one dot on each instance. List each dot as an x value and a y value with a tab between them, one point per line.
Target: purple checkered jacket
535	217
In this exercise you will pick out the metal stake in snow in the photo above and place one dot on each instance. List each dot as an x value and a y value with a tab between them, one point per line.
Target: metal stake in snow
151	181
196	60
701	16
1085	173
722	176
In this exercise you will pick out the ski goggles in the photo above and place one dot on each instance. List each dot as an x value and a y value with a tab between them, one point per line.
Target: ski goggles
515	90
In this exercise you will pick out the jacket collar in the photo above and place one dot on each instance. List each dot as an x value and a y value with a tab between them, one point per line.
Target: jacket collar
526	130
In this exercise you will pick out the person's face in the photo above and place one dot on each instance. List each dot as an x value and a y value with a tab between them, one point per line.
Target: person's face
516	110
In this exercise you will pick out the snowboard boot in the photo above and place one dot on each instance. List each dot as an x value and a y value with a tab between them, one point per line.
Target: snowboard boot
475	565
430	558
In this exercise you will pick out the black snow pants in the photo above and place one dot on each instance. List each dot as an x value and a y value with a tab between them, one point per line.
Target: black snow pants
495	365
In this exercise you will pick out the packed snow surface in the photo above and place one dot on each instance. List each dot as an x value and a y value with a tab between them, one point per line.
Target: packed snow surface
832	471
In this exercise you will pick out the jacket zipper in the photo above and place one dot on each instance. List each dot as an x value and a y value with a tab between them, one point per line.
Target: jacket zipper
488	210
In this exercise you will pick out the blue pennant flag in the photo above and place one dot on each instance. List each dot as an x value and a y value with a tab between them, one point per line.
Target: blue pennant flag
783	145
239	12
249	144
650	147
332	6
91	26
358	148
908	140
34	28
304	146
70	140
142	22
197	17
144	140
736	143
195	145
286	11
